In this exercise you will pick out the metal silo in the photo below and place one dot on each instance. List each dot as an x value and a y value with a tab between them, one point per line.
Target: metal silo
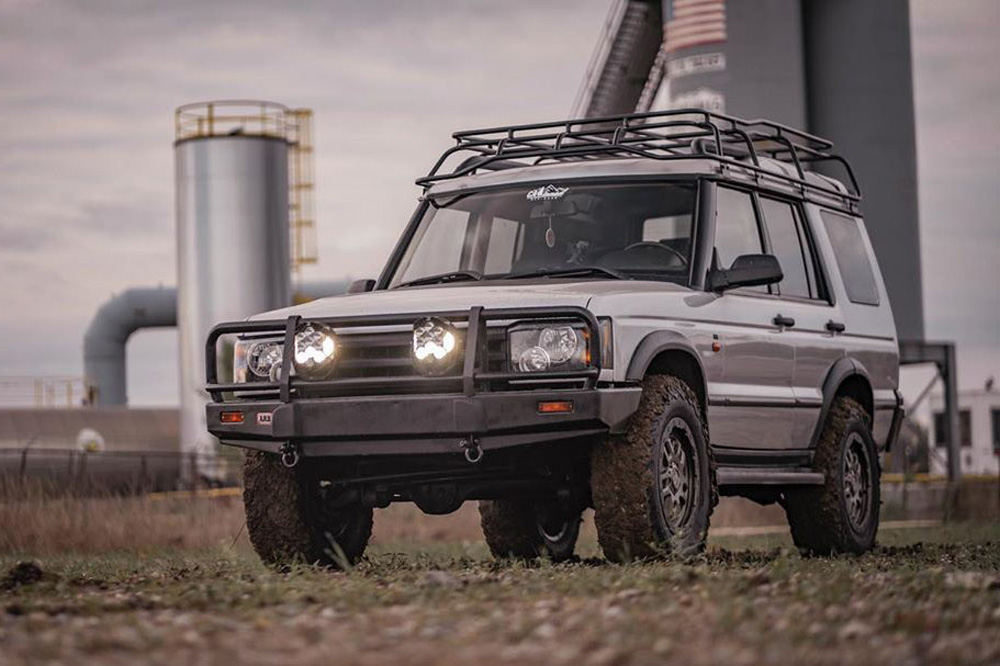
232	233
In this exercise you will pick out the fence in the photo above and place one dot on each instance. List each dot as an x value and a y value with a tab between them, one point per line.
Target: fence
72	471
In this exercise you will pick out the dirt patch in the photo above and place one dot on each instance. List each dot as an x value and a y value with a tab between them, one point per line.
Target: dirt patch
927	596
22	573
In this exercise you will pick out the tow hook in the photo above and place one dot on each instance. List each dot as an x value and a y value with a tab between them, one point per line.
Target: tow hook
289	454
470	447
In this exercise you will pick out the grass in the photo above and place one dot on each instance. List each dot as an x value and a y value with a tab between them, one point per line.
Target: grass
427	593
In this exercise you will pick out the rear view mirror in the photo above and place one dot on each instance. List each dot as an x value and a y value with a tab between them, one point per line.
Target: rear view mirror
361	286
748	270
564	208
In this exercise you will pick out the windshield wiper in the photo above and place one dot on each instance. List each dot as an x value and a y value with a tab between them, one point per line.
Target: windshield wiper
570	271
450	276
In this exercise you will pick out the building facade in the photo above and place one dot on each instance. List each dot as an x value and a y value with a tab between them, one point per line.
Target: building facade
979	427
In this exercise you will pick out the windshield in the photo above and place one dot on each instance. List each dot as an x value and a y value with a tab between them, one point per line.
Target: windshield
609	231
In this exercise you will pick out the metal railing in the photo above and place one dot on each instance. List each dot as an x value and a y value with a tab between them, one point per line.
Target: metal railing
232	118
71	471
43	391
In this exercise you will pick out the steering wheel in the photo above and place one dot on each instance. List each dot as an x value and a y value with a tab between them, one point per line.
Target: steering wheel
658	246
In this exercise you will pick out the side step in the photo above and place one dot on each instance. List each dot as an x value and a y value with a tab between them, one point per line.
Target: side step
768	476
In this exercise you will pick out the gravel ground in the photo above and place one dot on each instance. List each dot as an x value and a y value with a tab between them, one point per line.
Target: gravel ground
923	597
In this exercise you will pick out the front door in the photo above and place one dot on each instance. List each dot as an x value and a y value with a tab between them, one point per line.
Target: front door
753	407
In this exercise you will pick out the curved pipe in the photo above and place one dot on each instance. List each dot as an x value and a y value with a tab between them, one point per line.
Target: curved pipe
104	359
109	331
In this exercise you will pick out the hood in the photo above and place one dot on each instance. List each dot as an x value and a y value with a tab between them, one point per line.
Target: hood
462	296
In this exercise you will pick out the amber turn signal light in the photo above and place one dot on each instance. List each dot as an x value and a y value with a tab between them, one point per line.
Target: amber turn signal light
556	407
231	417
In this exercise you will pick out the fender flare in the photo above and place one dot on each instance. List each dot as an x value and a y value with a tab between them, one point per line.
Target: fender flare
842	370
658	342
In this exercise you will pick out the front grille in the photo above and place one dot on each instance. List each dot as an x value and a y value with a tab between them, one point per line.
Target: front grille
372	355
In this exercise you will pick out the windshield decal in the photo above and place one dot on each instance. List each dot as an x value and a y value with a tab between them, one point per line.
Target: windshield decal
547	193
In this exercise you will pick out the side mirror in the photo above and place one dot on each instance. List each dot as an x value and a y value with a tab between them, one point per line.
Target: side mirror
749	270
361	286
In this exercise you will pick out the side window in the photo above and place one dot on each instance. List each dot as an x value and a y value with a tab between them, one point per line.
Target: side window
502	248
787	244
852	258
995	423
964	429
736	230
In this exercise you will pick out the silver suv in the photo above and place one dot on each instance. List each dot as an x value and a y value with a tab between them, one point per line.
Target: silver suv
634	314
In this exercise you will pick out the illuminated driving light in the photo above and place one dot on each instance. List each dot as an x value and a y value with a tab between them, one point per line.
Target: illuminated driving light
315	351
434	344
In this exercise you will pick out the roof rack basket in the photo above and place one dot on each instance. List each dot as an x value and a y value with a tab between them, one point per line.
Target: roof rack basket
661	135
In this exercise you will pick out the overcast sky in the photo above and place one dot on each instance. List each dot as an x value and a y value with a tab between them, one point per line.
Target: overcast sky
87	92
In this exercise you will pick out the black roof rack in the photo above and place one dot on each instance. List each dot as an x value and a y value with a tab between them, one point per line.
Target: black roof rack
661	135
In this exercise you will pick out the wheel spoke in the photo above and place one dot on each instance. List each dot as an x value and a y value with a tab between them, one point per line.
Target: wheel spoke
857	481
677	473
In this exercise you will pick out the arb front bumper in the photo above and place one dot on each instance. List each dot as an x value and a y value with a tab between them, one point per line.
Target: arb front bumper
481	406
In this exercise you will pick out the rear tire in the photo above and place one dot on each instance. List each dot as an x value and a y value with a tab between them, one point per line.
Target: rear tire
520	529
654	488
842	515
291	520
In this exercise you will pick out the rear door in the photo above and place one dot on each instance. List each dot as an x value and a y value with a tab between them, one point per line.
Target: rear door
805	303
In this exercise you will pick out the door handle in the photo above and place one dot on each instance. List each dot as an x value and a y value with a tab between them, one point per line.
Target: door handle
835	326
786	322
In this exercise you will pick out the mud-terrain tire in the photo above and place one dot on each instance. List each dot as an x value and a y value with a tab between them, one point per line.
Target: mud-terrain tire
632	473
840	516
290	522
517	529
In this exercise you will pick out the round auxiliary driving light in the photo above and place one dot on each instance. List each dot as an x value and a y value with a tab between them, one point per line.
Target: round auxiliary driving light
315	351
435	342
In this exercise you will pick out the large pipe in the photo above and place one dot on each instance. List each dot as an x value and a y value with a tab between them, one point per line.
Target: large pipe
104	358
109	331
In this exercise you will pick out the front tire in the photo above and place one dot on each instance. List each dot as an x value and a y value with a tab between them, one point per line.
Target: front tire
520	529
292	520
654	488
840	516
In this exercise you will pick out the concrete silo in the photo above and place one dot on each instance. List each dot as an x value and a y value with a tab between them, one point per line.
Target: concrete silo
232	233
744	58
839	69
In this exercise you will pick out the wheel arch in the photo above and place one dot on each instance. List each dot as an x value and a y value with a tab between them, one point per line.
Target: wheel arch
848	377
667	352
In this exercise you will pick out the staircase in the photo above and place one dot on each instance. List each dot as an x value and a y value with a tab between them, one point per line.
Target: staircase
626	53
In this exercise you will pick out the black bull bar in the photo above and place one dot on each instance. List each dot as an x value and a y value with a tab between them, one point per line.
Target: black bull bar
417	414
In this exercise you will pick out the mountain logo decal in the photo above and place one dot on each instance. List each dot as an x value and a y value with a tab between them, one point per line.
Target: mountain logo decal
547	193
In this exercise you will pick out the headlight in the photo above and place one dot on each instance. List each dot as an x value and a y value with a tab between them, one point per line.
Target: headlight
255	360
315	351
435	344
541	347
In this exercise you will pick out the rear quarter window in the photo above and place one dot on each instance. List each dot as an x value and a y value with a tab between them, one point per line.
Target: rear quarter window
852	258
